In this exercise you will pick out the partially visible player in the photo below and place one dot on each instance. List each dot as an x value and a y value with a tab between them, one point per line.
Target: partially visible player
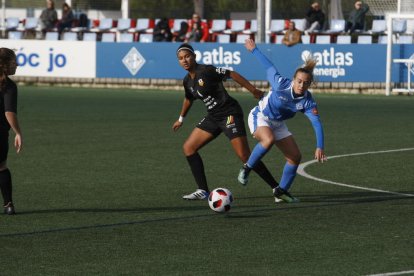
224	114
8	119
266	121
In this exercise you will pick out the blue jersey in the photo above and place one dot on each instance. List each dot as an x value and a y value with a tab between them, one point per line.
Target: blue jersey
281	103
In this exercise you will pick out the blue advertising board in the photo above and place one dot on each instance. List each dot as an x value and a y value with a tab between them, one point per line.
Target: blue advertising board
336	63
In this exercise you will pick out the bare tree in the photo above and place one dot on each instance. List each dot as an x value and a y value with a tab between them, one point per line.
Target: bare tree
199	7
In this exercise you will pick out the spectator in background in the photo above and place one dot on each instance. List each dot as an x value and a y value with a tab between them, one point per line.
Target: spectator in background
162	31
182	33
356	18
67	18
198	30
292	35
315	18
48	17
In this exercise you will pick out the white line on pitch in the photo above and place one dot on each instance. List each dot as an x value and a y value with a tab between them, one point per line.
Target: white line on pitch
301	171
393	273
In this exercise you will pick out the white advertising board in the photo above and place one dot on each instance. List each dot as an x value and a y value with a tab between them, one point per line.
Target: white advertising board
41	58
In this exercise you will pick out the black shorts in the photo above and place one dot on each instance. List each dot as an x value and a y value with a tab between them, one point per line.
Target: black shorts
4	146
232	126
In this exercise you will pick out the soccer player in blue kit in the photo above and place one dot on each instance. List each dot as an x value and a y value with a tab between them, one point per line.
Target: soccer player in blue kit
8	119
266	121
224	115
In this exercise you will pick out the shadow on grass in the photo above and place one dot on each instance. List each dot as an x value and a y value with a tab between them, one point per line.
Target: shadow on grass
308	202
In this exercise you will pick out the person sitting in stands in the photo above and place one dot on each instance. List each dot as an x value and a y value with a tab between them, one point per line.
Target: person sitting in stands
198	30
162	31
292	35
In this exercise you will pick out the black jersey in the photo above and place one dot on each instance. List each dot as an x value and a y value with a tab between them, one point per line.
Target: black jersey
208	87
8	103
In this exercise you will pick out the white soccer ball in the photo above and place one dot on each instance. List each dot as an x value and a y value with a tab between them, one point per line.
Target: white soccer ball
220	200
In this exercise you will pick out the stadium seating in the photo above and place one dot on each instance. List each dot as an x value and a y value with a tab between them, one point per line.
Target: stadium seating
382	39
337	26
404	39
218	26
236	26
306	39
223	38
15	35
105	24
31	23
399	25
108	37
323	39
277	28
89	37
125	37
70	36
252	29
124	24
12	23
143	25
52	36
379	26
300	24
343	39
364	39
145	38
241	38
176	24
410	26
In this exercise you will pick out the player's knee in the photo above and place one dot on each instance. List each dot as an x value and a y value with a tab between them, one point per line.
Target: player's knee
267	142
188	149
3	166
295	158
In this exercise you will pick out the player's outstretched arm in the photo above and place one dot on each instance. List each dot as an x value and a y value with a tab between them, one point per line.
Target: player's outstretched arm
258	94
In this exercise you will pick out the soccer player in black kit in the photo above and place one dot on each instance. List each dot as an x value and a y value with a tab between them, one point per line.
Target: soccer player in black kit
8	119
224	114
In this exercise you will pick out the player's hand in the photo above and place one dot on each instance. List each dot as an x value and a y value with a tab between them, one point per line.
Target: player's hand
177	125
18	142
249	44
320	155
258	94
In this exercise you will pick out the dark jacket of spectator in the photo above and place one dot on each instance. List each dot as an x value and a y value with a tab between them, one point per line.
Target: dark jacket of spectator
48	17
356	18
162	31
67	18
315	14
181	35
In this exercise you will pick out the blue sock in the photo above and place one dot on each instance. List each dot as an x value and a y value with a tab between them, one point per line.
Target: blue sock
258	152
289	173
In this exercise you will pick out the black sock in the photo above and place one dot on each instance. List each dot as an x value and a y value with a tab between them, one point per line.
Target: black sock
264	173
6	186
197	168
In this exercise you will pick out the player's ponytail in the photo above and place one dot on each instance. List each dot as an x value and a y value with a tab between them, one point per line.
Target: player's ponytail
307	67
